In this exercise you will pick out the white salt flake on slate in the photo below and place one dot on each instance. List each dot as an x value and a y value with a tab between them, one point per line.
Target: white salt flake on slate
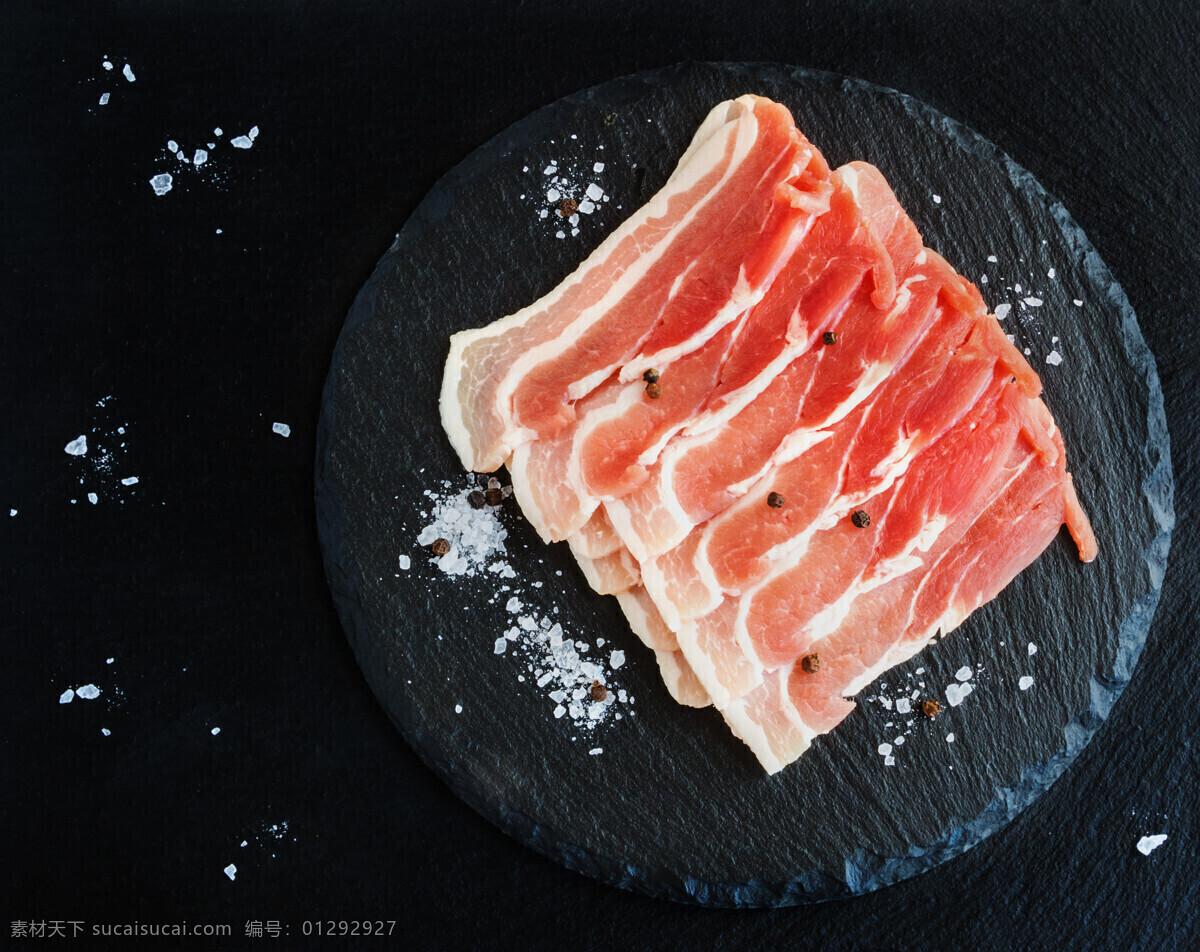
903	705
230	871
1032	648
574	232
161	183
1026	682
1077	302
617	658
500	646
89	692
457	708
956	693
884	749
1054	358
93	498
109	660
128	73
950	738
282	429
586	207
553	195
550	169
200	157
992	259
1002	311
129	481
1028	351
1050	274
253	132
1017	288
964	673
513	605
12	512
595	751
1148	844
937	199
1033	301
241	142
598	167
405	563
66	697
559	711
560	234
172	145
594	192
107	64
105	731
77	446
104	99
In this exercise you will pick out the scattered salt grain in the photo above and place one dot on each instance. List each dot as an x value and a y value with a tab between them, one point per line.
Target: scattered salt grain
12	512
594	192
1017	288
950	738
457	708
109	660
104	99
230	871
93	498
992	259
66	697
1025	683
550	169
513	605
964	673
598	167
128	73
1148	844
560	234
77	446
586	207
1050	274
956	693
241	142
107	65
884	749
1033	301
105	731
89	692
1054	358
282	429
903	705
405	563
1032	648
500	646
559	711
937	199
129	481
161	183
1002	311
200	157
1077	302
553	195
218	132
616	659
215	731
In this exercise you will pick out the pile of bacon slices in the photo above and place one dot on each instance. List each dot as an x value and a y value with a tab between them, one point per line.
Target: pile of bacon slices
786	435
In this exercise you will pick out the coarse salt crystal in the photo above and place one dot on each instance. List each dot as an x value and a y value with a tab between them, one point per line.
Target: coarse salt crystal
1054	358
457	708
1077	302
586	207
594	192
550	169
12	512
559	711
215	731
1148	844
405	563
200	157
241	142
500	646
1050	274
1026	682
903	705
596	750
553	195
282	429
560	234
129	481
161	183
77	446
89	692
107	65
957	693
884	749
230	871
964	673
1033	301
992	259
598	167
950	738
105	731
1032	648
128	73
104	99
66	697
93	498
937	199
617	658
1002	311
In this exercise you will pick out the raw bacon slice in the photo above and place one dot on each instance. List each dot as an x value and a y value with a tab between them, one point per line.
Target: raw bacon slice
692	259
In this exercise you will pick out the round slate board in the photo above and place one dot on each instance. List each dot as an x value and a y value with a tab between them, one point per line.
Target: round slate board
675	806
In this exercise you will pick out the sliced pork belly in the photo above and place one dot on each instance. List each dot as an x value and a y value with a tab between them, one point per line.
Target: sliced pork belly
682	683
663	283
596	537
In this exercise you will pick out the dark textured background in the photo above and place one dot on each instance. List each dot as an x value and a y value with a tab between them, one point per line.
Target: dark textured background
211	564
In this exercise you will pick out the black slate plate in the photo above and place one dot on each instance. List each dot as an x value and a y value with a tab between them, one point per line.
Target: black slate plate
675	807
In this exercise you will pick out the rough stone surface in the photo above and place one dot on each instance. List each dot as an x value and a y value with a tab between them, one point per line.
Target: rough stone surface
675	807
